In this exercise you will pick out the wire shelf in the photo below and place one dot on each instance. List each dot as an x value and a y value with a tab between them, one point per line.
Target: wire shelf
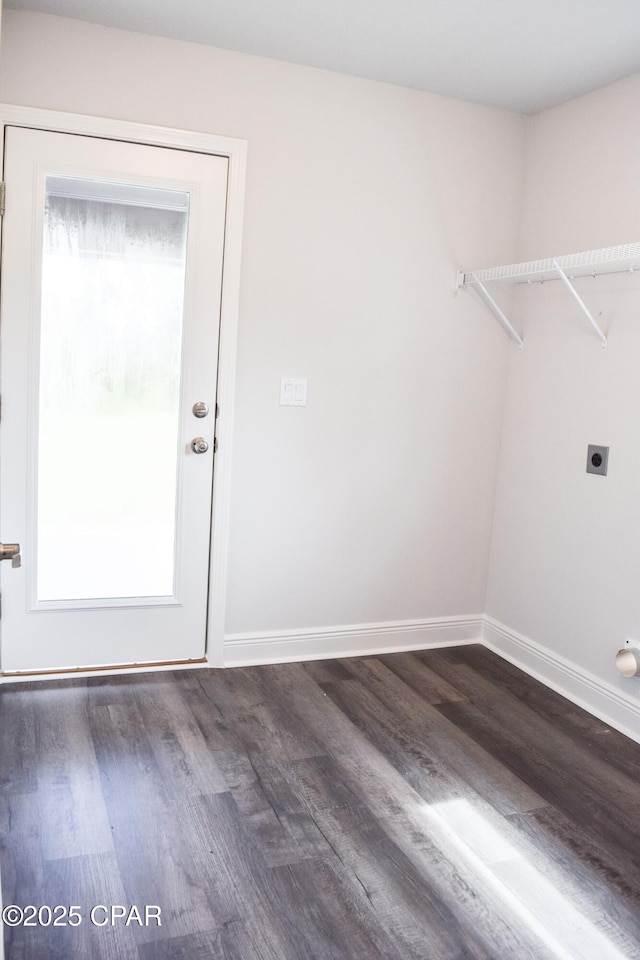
621	259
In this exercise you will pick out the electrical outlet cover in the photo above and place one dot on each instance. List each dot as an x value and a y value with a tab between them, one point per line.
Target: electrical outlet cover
597	459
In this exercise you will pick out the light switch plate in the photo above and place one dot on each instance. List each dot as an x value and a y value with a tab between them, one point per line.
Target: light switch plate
293	392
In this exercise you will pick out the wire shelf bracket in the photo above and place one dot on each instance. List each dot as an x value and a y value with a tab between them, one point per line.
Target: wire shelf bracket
621	259
574	293
502	319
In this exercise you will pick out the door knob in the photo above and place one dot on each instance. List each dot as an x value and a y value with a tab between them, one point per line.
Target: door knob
199	445
11	551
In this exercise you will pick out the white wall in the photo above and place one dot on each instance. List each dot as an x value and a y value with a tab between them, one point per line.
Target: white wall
565	569
375	502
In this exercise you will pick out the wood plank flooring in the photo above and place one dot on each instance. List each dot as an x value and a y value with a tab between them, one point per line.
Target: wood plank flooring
431	806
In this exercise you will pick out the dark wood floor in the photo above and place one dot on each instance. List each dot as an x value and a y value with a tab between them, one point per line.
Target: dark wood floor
431	806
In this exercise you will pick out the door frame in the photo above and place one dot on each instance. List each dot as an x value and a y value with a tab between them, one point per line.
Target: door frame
236	152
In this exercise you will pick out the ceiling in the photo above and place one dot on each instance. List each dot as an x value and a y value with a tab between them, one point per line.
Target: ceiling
520	55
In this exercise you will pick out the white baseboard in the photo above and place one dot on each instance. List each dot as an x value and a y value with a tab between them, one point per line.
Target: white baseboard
602	699
579	686
356	640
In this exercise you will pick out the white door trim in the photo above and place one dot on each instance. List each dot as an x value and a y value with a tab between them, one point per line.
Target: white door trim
236	151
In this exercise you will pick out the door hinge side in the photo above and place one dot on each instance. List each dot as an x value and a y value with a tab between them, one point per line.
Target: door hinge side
3	193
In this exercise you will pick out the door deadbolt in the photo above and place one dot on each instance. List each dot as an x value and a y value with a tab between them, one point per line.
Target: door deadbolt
199	445
200	409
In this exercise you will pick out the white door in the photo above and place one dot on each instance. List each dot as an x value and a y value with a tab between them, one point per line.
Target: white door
111	285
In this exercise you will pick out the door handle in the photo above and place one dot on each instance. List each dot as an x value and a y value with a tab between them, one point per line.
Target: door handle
11	551
199	445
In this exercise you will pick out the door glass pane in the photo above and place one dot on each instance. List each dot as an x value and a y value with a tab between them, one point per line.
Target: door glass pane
110	357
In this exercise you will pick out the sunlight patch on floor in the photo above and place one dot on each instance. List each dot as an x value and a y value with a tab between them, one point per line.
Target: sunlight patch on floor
527	894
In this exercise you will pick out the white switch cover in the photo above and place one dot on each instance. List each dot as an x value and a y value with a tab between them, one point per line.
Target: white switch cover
293	392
